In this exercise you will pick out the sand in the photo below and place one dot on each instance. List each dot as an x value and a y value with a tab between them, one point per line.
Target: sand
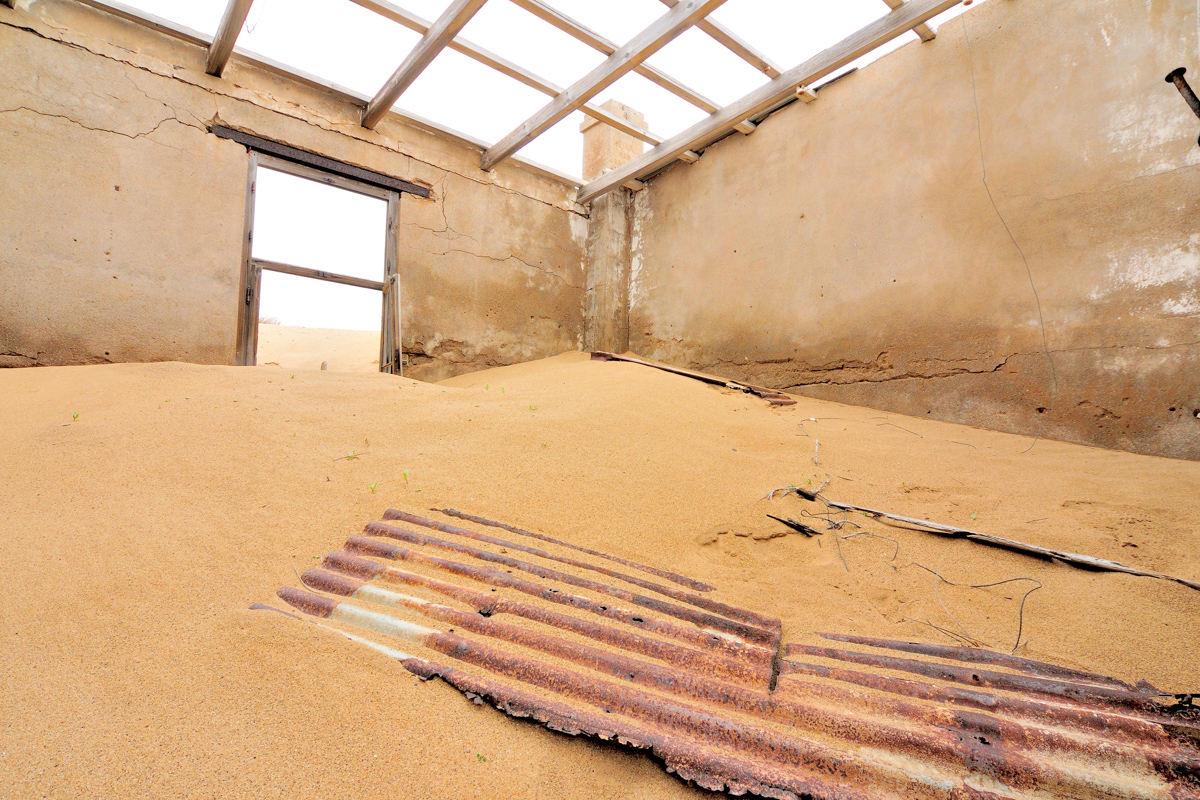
291	348
137	535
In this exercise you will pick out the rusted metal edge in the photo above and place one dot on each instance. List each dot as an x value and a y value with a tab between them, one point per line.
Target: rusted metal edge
682	580
704	619
743	651
489	605
980	656
985	679
784	753
1130	726
772	396
731	612
851	725
691	761
867	765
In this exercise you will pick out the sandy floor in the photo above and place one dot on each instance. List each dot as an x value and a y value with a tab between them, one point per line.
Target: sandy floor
137	534
292	348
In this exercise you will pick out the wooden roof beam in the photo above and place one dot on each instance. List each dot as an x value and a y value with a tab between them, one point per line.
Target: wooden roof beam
597	42
735	44
686	14
440	34
927	33
502	65
226	36
707	131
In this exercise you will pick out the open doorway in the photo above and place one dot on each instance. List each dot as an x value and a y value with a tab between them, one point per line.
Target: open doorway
321	283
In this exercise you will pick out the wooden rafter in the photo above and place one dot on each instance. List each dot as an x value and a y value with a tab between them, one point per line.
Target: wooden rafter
703	133
625	59
926	33
440	34
226	37
735	44
502	65
597	42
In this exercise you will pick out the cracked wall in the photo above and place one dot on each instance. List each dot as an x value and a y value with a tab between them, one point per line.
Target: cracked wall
121	234
997	228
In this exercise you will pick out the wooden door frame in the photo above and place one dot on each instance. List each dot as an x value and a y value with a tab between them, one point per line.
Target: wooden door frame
250	287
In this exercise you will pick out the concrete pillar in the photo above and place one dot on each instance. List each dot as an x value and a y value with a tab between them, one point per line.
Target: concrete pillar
607	269
609	227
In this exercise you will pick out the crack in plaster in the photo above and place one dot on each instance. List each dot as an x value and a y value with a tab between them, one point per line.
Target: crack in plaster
139	135
1110	187
983	165
330	122
506	259
878	366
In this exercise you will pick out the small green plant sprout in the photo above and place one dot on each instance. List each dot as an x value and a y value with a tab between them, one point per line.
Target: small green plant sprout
293	376
486	386
974	514
373	485
405	476
532	407
75	416
480	757
809	482
351	456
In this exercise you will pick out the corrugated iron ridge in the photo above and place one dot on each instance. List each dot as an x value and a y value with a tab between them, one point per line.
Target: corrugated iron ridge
790	757
682	580
490	605
760	703
804	716
977	656
1127	727
861	764
727	646
1090	694
912	727
743	615
703	619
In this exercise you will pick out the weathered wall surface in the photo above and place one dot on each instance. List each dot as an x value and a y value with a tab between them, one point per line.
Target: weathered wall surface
998	228
121	234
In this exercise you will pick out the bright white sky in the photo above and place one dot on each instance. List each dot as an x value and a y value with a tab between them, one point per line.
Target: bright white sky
350	46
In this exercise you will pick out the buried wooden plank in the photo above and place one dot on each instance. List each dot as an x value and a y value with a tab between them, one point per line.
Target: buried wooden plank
770	395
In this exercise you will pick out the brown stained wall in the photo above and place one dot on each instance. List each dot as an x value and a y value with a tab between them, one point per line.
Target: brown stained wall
1000	228
491	265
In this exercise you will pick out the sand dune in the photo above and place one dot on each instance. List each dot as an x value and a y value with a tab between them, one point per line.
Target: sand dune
138	533
290	348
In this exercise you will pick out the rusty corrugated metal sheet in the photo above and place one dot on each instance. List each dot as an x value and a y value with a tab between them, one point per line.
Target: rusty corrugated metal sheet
710	688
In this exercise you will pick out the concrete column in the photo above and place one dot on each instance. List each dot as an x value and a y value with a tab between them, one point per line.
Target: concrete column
607	258
607	263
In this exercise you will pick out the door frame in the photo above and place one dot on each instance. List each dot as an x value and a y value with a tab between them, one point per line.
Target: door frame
250	287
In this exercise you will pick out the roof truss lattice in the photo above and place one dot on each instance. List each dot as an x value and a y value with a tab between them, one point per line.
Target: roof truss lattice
741	115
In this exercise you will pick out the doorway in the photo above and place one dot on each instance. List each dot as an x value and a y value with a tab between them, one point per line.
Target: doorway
319	255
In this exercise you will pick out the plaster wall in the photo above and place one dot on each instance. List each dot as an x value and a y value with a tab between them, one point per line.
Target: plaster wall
998	228
121	236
